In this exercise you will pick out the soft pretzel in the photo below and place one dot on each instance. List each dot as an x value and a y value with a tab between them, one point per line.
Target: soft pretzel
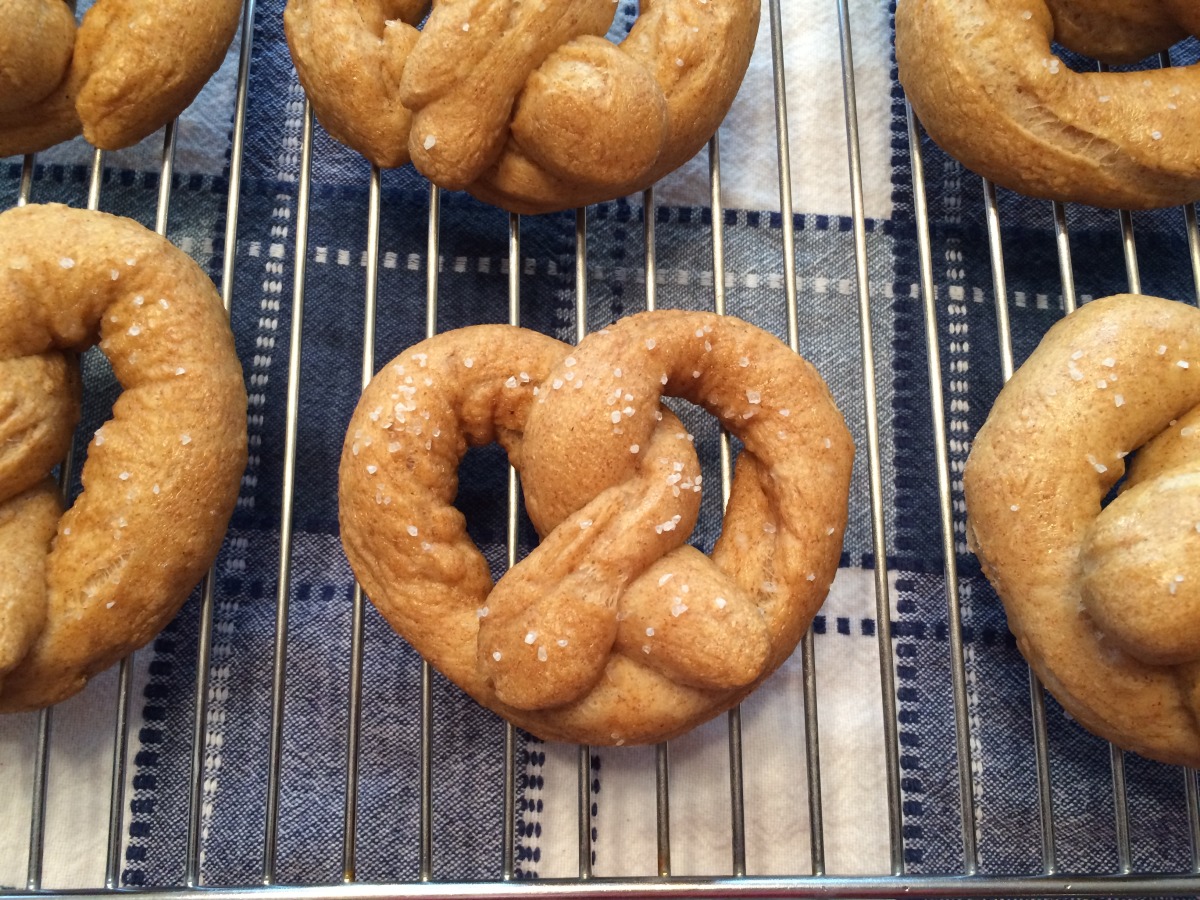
613	630
1104	600
983	79
524	105
133	66
81	589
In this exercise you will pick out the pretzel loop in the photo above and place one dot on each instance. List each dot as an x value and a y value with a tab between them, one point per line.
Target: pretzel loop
524	105
133	66
79	592
613	629
984	80
1104	600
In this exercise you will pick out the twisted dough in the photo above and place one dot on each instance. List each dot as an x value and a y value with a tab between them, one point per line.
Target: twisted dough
524	105
79	592
1104	603
133	66
613	630
982	77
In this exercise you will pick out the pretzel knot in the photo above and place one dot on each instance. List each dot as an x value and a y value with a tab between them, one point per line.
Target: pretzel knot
1104	600
985	82
81	589
613	630
525	105
131	67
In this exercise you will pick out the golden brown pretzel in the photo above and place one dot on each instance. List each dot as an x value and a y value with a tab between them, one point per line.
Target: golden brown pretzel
613	630
1105	604
132	66
524	105
161	476
982	78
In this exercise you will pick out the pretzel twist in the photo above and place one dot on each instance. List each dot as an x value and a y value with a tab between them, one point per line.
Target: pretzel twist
524	105
1104	601
613	630
81	589
132	66
983	79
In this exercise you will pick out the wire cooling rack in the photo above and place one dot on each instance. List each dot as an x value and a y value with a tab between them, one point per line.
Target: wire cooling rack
1124	882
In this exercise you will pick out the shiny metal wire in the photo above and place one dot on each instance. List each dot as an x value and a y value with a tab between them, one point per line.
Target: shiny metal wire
586	884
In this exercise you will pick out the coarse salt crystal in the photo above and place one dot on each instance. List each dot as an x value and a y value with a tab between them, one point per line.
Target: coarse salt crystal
412	530
530	637
430	140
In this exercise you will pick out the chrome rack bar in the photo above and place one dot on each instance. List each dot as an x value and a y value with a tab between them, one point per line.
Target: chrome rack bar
966	783
433	262
514	526
585	752
1116	754
1062	240
737	799
648	235
192	873
1193	235
662	750
869	887
358	610
812	745
275	762
883	604
1037	697
37	813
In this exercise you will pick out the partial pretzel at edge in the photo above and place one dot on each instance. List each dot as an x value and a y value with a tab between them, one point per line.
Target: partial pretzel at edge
1092	595
161	476
132	67
983	80
530	124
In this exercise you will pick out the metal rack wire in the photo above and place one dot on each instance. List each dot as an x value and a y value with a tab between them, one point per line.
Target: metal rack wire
1125	882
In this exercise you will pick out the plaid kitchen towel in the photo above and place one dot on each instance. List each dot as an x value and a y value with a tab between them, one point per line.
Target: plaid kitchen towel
468	762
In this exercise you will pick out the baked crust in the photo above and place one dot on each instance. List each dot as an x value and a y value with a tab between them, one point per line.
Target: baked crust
1105	605
133	66
983	79
161	476
613	630
526	106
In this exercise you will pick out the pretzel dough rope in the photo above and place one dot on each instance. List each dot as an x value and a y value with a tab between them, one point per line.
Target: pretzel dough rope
1105	604
524	105
613	630
161	476
132	66
982	78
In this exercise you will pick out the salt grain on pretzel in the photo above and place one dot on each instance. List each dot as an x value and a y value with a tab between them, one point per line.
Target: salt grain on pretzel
983	79
613	630
524	105
1104	600
132	66
81	589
